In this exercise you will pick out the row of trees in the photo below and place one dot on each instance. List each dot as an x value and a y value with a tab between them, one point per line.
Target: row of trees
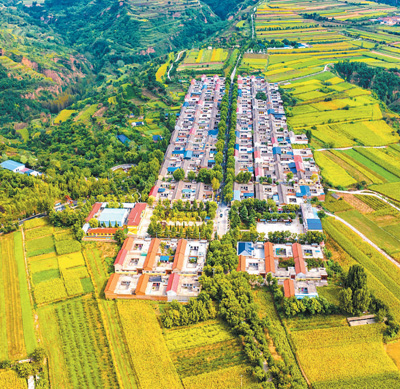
163	230
184	210
248	211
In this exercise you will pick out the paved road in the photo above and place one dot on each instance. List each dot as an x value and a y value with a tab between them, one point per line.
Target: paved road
222	225
172	65
367	193
364	238
39	215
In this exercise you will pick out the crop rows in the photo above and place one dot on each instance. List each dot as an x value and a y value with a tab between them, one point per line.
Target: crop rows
208	358
147	347
85	345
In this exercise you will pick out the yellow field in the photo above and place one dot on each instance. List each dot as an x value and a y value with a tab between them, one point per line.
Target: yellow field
147	346
233	377
342	349
64	115
12	301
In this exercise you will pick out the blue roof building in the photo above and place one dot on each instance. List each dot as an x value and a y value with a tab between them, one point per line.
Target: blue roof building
245	248
156	138
123	139
314	225
115	216
13	166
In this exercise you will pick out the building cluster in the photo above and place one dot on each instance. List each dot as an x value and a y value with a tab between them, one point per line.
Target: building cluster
18	167
192	144
109	220
264	147
156	269
299	280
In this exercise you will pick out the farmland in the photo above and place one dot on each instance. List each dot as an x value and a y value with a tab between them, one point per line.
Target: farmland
374	218
17	336
56	264
383	276
204	351
377	167
150	356
210	59
342	348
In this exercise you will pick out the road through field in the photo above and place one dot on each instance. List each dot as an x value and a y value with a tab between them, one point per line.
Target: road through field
364	238
354	147
172	65
367	193
308	75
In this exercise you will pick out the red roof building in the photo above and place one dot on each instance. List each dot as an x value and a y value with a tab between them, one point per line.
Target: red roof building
288	288
111	285
153	191
142	285
102	231
126	247
179	255
173	283
151	254
135	216
269	257
299	264
242	263
96	208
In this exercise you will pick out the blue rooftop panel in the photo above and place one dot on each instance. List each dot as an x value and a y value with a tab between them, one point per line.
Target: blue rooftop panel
276	150
245	248
123	139
11	165
314	224
236	195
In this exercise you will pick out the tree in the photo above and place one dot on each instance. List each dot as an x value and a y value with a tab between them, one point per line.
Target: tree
120	236
356	278
150	200
179	174
191	175
215	184
361	300
244	214
346	300
94	223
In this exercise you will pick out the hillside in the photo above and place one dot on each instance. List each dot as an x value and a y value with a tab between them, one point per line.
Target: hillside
38	73
129	31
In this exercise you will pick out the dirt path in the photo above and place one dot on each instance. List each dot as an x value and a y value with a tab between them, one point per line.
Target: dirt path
367	193
385	55
354	147
364	238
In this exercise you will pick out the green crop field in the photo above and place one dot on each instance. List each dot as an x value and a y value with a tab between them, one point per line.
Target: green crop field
383	276
56	277
90	365
17	335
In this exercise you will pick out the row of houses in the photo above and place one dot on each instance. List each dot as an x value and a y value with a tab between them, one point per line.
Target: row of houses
192	144
264	147
157	269
261	258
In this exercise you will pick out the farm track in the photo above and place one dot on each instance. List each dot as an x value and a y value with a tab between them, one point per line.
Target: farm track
367	193
172	65
354	147
326	68
365	239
